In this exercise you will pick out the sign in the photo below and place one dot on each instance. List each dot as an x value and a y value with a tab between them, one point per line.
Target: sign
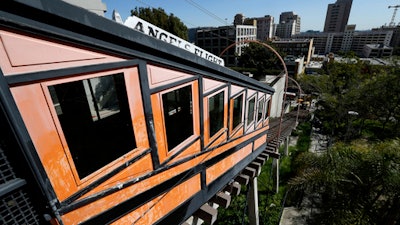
156	32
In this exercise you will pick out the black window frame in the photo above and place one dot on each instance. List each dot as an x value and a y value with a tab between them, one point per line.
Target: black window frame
219	116
172	126
267	108
240	113
259	118
86	133
253	112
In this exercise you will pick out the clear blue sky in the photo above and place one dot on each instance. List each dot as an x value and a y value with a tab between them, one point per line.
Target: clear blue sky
366	14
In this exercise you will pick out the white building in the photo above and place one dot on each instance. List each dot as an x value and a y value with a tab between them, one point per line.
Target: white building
243	33
278	83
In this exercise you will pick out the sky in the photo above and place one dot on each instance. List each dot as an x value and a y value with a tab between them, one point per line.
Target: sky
366	14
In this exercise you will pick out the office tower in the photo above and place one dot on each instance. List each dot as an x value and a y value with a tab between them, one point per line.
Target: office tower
289	24
337	16
265	27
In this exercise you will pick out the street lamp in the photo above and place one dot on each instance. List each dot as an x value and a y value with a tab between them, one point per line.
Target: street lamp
300	93
350	113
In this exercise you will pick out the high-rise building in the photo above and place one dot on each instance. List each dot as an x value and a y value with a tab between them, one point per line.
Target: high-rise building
265	26
291	16
289	24
337	16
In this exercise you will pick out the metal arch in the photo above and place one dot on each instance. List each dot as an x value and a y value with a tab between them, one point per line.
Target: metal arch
284	68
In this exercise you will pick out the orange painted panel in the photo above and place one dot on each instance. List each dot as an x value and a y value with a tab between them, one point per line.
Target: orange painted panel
260	141
43	54
235	90
33	102
107	202
218	141
191	150
136	106
196	107
237	132
160	207
145	164
206	121
232	144
209	84
221	167
159	125
159	76
32	106
259	125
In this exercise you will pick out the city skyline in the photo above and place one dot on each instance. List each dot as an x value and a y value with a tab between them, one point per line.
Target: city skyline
218	13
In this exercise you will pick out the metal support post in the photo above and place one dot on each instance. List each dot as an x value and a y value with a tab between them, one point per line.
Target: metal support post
286	149
254	217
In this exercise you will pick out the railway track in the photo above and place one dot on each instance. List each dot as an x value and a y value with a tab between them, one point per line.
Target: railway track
288	124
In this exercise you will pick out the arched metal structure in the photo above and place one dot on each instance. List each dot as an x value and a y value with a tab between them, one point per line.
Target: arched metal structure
284	69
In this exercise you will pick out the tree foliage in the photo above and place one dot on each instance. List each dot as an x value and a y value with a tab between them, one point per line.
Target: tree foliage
259	58
161	19
270	202
371	91
352	184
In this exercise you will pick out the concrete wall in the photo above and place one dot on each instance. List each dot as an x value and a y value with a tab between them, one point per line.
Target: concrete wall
96	6
278	83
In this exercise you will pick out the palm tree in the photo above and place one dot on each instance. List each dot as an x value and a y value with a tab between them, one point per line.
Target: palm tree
353	184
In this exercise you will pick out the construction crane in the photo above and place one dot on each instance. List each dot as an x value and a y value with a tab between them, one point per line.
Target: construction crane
392	24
